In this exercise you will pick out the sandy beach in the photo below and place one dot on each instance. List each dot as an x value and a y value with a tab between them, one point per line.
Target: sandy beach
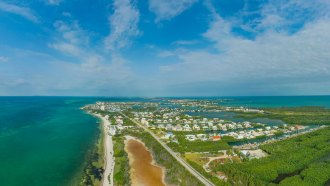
108	156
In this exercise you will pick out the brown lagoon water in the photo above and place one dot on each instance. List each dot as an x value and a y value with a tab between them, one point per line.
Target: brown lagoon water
143	171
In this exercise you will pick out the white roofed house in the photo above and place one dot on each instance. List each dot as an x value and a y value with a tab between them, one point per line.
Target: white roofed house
245	153
112	130
205	128
168	135
153	126
247	124
161	126
145	122
230	126
186	127
190	137
177	128
240	136
223	127
119	121
202	137
120	127
196	127
168	127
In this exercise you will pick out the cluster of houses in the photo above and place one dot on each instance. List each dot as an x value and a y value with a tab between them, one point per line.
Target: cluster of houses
243	109
103	106
174	123
117	126
230	109
250	134
170	120
242	134
203	137
200	126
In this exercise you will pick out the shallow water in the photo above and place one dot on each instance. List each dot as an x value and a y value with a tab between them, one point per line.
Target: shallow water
143	172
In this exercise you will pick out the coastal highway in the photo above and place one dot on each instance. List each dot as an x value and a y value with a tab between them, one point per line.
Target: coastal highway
199	176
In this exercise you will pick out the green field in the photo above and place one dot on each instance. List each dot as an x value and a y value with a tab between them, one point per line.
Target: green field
184	145
121	173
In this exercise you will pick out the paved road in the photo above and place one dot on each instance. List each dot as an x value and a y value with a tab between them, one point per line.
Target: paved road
199	176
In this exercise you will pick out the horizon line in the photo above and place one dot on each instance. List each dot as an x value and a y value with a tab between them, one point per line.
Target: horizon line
165	96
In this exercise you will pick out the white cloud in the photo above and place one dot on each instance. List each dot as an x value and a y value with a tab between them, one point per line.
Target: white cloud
166	53
274	62
89	70
71	38
67	14
4	59
241	66
54	2
66	48
72	32
168	9
185	42
22	11
282	15
123	24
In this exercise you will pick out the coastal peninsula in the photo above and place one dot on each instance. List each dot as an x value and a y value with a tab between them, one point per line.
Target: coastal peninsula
200	142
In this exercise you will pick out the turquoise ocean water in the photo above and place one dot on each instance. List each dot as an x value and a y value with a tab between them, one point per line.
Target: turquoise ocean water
44	140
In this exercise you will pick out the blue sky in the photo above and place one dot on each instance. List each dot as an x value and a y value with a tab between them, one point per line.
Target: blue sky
164	48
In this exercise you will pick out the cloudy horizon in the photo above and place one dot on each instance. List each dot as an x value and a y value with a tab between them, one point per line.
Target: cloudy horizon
164	48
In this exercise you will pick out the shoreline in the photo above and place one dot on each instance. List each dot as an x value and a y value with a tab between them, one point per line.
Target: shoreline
109	161
131	158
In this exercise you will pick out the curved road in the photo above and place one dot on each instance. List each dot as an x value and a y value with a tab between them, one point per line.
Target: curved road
199	176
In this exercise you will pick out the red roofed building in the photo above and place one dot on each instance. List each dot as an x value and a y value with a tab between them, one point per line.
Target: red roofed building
216	138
